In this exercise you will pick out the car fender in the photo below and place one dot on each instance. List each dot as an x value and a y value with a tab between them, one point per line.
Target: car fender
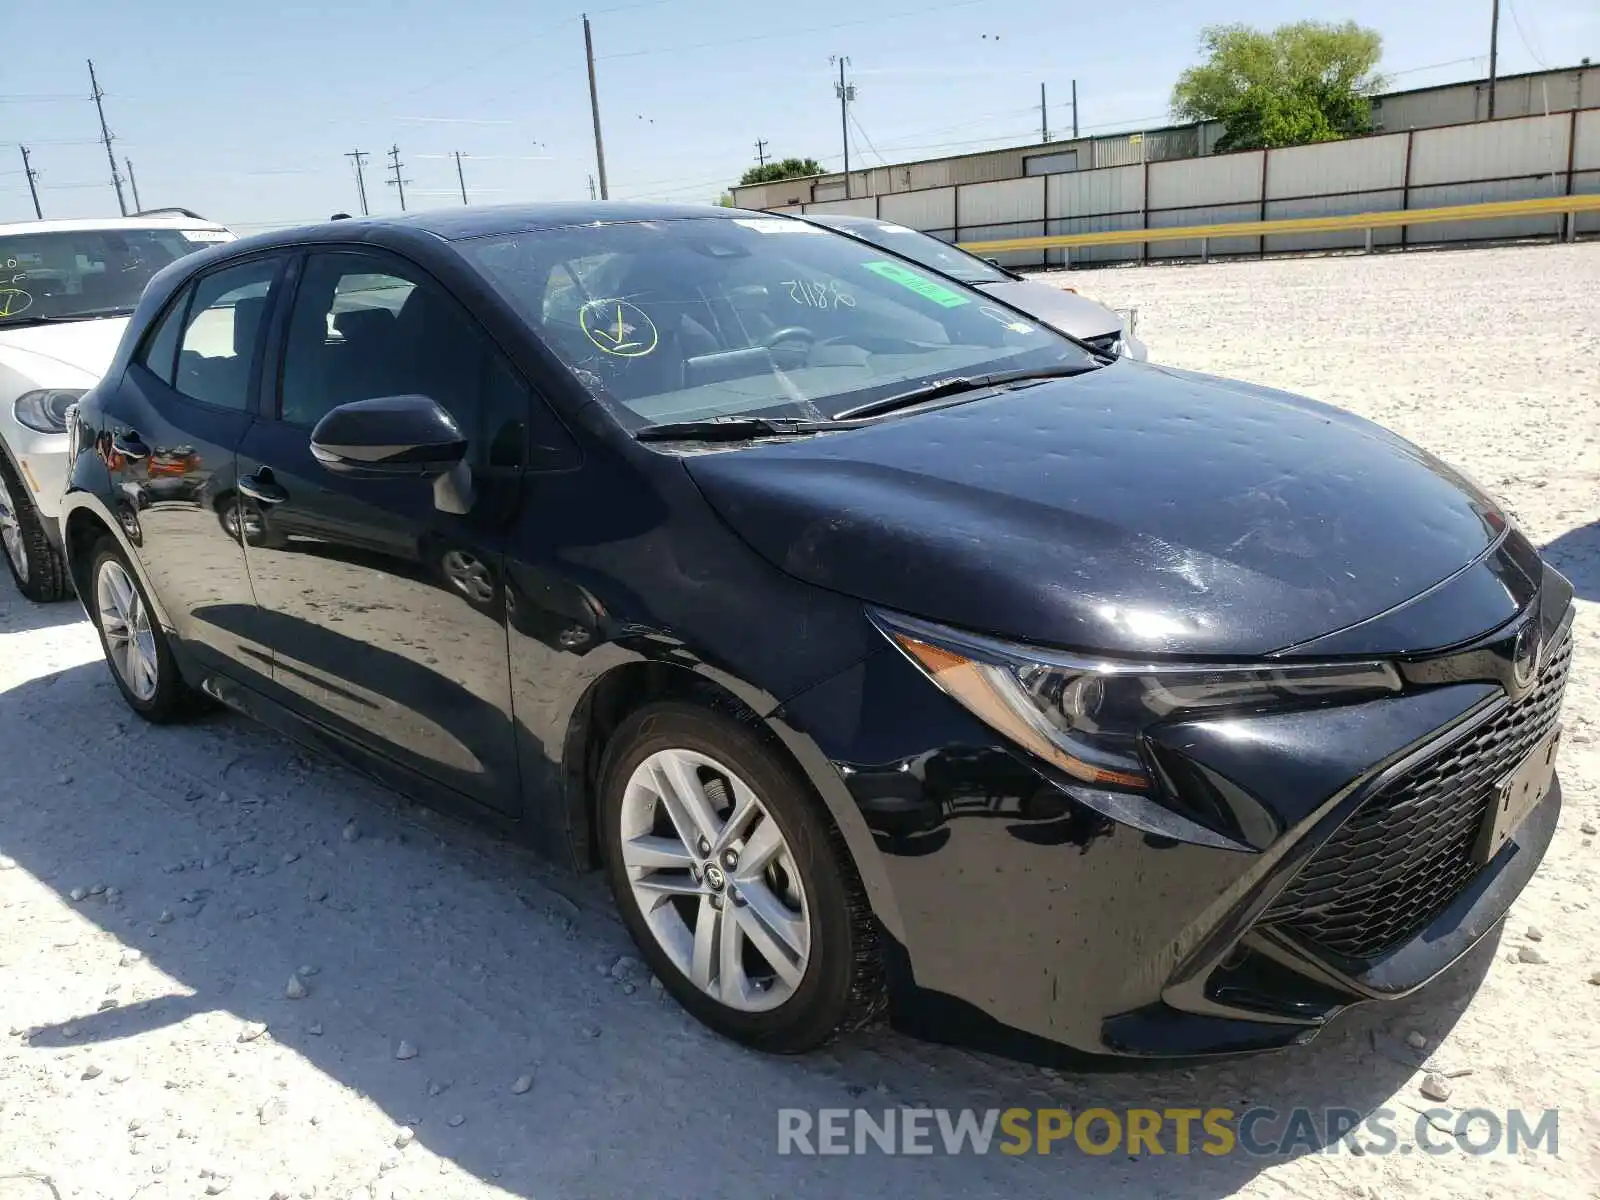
87	488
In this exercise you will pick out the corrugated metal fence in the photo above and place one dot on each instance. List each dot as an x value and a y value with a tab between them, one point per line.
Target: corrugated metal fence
1515	159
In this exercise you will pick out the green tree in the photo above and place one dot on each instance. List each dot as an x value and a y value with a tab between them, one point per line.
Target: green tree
789	168
1311	81
726	200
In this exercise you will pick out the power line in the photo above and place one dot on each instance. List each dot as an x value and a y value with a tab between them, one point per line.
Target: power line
767	37
358	159
57	142
1454	62
105	134
1494	54
133	183
846	93
397	182
856	121
33	182
594	108
497	157
520	44
1523	36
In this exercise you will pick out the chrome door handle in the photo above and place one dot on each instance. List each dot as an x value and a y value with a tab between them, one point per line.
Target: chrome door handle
262	491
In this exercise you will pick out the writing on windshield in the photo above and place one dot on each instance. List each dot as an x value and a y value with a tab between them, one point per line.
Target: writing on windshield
62	274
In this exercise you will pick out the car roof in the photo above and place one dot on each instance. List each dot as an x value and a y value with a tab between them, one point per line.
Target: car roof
455	224
848	221
844	220
105	224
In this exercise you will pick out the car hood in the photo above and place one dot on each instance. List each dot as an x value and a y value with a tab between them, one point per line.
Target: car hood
1133	509
71	354
1075	315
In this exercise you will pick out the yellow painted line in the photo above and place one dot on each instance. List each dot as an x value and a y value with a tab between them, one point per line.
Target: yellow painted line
1498	209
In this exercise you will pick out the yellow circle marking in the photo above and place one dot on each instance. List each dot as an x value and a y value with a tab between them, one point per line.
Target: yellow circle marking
618	327
14	302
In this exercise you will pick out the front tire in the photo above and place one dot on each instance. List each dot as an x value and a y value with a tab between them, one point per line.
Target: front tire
135	645
733	884
35	560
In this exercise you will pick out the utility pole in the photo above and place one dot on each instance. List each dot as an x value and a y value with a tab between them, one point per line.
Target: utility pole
105	136
594	109
1494	53
359	158
33	176
138	204
394	165
591	187
1074	110
846	93
761	153
460	178
1044	117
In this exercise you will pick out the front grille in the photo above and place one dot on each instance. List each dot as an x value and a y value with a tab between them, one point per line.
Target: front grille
1406	853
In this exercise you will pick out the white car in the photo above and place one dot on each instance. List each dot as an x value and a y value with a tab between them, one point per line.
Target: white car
67	289
1109	329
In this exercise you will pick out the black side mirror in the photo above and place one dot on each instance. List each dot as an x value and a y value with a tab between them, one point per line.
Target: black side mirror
397	437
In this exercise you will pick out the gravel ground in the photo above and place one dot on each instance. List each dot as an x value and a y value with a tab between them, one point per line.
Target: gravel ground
283	980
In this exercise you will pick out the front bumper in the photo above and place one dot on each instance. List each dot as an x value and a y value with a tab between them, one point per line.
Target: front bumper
1022	919
41	461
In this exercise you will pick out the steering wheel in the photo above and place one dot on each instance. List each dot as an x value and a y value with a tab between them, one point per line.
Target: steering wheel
789	333
795	356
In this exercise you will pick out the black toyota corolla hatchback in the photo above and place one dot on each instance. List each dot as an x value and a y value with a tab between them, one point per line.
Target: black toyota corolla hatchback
888	651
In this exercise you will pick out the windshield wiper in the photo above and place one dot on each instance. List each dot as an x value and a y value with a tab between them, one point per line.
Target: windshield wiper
735	429
92	314
940	388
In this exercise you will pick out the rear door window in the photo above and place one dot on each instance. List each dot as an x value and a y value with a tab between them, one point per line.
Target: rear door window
222	333
160	352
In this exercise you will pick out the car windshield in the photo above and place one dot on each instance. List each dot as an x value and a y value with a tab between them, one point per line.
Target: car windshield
62	275
699	318
926	249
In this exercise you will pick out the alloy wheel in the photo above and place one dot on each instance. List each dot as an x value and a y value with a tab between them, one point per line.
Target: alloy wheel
467	573
130	643
11	532
715	880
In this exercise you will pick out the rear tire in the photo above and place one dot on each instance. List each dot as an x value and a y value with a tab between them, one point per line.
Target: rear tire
766	936
136	647
35	561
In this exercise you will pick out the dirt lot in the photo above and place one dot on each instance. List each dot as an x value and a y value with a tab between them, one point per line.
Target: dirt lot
441	966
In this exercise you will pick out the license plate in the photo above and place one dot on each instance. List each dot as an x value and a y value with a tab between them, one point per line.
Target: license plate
1518	795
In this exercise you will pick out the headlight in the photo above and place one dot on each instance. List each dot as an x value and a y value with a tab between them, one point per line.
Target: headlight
46	410
1086	716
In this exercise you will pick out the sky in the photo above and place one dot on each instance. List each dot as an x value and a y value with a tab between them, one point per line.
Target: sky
244	112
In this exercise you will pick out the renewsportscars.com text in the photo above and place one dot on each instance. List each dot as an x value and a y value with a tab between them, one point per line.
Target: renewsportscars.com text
1257	1132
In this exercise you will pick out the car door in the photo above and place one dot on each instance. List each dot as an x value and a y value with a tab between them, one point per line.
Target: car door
172	431
385	615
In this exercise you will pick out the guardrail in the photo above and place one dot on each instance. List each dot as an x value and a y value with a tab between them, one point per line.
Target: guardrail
1567	206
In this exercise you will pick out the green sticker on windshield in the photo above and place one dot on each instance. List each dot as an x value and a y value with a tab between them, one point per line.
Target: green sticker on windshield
920	284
